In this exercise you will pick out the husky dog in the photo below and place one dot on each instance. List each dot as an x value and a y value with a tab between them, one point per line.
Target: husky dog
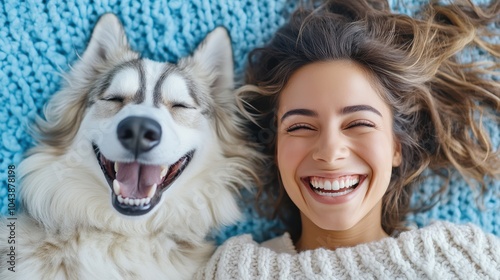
137	162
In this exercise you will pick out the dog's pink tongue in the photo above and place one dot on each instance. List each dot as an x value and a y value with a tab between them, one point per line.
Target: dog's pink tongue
136	179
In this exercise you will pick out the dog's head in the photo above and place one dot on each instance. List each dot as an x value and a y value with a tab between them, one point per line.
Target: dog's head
147	122
156	114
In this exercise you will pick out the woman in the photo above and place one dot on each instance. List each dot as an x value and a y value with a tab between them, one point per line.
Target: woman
360	102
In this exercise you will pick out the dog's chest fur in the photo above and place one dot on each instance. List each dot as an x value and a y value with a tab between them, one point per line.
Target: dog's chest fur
97	254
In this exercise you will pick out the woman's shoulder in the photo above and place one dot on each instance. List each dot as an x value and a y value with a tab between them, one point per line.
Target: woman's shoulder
449	231
438	234
438	251
434	231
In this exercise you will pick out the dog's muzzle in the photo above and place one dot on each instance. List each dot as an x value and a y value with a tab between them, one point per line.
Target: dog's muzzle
136	186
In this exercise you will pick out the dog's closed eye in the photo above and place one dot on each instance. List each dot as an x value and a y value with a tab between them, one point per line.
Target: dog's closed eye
182	106
114	98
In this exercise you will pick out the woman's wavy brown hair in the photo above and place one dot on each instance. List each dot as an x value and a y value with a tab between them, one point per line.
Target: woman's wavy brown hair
437	101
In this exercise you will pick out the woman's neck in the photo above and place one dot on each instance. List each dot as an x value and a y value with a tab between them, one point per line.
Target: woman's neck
367	230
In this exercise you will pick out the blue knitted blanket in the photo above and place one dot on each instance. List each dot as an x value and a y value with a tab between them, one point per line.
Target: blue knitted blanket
39	39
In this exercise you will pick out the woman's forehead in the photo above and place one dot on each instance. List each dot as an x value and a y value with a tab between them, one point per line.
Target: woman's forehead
329	83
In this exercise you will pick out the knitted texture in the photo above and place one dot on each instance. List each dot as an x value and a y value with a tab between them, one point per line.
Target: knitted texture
439	251
41	39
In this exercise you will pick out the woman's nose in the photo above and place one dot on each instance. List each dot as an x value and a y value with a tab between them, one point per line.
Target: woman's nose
330	147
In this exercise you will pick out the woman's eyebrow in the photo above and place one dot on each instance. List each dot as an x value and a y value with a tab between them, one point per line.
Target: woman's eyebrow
302	112
357	108
344	111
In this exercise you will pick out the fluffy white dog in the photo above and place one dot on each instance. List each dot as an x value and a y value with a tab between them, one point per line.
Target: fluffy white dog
137	161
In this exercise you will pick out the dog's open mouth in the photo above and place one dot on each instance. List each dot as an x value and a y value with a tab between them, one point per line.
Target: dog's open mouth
137	188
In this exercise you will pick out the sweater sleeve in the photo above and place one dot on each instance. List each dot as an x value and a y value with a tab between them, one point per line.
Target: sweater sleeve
440	251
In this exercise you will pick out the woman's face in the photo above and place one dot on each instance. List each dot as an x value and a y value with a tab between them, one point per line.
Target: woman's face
335	145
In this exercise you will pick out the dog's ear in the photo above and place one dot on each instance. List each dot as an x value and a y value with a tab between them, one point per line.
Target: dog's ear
108	38
215	54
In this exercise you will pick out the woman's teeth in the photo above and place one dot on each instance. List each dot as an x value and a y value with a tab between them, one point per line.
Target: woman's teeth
334	187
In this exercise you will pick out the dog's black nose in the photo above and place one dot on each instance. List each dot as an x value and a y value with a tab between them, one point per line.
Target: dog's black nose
139	134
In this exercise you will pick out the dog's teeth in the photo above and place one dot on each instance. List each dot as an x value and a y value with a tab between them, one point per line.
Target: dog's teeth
116	167
116	187
164	171
134	201
152	191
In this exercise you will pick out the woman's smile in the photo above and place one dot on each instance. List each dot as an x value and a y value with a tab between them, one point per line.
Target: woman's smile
332	190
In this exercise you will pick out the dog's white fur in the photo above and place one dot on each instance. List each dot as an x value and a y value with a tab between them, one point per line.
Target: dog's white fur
69	229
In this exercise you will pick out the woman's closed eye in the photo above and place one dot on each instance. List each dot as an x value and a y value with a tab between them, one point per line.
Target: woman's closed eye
360	123
299	127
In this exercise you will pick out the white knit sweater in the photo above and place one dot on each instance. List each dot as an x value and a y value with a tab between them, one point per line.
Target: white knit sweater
439	251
